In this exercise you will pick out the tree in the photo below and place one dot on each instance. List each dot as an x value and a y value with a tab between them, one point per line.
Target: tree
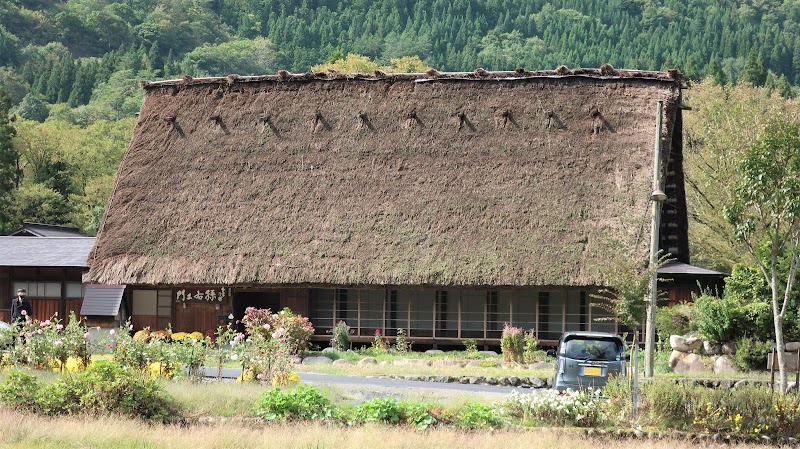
243	57
9	161
765	208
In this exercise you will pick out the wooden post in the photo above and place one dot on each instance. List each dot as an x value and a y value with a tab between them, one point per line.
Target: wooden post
358	310
460	296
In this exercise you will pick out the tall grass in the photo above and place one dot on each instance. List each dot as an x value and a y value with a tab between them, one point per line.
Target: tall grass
19	431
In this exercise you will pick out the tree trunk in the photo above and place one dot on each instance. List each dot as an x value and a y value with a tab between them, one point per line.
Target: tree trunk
779	345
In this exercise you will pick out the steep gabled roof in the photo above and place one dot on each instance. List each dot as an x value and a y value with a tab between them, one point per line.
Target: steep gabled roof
46	230
45	251
484	178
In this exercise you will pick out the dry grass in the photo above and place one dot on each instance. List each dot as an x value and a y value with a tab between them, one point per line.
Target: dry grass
26	431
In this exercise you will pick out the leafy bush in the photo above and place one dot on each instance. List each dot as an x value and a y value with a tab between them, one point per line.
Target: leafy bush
294	329
104	387
401	344
380	409
531	353
418	415
512	344
674	320
549	407
303	403
718	319
478	416
340	336
751	354
471	347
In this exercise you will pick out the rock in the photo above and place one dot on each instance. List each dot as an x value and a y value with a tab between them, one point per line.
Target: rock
504	381
549	383
477	380
434	351
342	362
711	348
741	383
412	362
514	381
367	361
385	363
541	365
319	360
792	346
296	359
488	353
473	364
693	343
442	379
463	380
447	363
678	343
328	349
491	381
729	348
683	362
724	364
537	383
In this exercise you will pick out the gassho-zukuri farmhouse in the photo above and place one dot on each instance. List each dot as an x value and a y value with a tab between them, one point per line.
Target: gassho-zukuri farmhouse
445	204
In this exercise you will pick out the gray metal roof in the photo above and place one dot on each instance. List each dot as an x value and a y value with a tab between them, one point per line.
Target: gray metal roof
685	268
47	230
102	300
45	251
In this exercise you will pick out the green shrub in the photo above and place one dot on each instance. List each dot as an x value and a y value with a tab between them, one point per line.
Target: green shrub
418	415
512	343
340	336
401	343
751	354
380	409
718	319
675	320
474	415
549	407
471	347
664	405
104	387
303	403
530	353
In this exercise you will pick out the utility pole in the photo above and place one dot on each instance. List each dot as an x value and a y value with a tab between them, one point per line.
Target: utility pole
656	198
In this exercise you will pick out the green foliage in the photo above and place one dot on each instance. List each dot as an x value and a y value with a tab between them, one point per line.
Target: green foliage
401	345
471	347
9	173
418	415
340	339
551	408
675	320
474	415
751	354
104	387
530	352
717	319
302	403
386	410
243	57
512	343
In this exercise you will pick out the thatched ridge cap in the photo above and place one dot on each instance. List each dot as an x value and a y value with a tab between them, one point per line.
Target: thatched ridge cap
604	72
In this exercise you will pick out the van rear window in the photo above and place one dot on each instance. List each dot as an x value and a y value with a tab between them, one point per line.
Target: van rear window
592	349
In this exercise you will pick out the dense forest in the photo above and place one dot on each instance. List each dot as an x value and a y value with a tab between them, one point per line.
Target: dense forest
69	69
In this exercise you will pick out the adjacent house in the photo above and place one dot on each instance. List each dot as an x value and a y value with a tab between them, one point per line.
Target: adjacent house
445	204
49	262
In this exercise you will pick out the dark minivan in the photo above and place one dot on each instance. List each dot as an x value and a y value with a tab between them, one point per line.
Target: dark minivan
587	359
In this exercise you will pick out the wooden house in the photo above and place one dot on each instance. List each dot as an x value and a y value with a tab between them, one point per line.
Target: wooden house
445	204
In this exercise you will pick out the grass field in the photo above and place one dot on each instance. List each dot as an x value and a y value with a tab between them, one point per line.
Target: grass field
18	431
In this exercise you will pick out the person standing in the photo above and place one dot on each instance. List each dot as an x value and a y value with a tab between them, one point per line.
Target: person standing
20	307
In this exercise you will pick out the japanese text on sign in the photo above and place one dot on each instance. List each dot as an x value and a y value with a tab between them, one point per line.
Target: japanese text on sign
200	295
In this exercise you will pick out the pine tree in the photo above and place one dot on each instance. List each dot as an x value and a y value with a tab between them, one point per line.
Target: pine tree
66	78
755	72
10	172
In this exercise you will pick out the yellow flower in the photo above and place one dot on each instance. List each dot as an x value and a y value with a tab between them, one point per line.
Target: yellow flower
247	375
284	379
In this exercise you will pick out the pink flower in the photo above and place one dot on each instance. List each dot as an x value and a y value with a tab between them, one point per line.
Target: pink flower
260	376
24	312
39	332
86	336
59	343
60	326
266	326
42	323
112	332
130	328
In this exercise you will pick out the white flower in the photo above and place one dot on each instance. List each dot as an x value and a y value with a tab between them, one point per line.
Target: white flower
234	356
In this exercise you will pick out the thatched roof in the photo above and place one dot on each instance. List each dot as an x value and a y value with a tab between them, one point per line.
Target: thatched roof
484	178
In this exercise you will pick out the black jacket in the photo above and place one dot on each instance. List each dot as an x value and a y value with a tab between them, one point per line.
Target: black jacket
17	307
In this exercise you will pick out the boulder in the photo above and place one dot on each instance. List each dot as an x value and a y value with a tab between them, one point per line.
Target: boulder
474	364
320	360
447	363
412	362
724	364
694	343
711	348
729	348
683	362
678	343
792	346
367	361
541	365
342	362
537	383
476	380
385	363
328	349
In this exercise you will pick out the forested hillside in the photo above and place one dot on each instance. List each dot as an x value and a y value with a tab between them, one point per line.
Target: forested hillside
71	67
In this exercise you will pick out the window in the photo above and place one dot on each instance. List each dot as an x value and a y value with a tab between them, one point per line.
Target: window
76	290
441	309
391	309
38	289
491	311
